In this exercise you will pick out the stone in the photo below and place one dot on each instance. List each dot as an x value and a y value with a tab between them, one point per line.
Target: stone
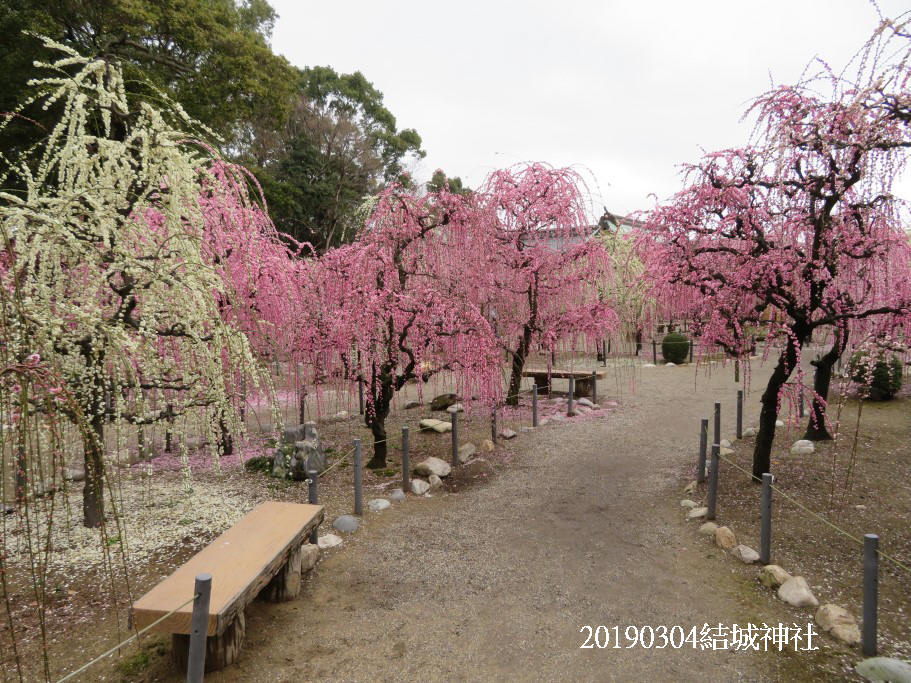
507	434
432	425
689	488
443	401
487	446
796	592
419	487
346	524
884	669
327	541
686	503
669	364
340	415
745	554
772	576
648	365
397	495
750	431
433	465
802	447
838	622
697	513
543	421
74	474
286	584
860	507
708	529
455	408
525	430
725	451
585	402
559	417
413	404
725	538
582	410
725	443
378	504
293	434
611	404
779	423
434	481
466	451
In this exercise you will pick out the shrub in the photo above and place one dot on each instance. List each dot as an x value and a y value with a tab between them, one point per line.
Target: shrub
885	379
675	348
260	463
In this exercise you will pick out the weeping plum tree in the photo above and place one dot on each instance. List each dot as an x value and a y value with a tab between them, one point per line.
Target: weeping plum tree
801	229
395	297
105	244
535	271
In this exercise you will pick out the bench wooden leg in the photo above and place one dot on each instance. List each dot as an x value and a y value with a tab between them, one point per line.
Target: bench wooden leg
221	651
541	381
286	585
583	388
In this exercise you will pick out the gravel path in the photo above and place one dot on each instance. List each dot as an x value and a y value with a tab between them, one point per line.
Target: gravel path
495	582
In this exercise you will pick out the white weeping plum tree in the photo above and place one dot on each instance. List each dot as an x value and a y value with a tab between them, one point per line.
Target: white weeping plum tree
104	267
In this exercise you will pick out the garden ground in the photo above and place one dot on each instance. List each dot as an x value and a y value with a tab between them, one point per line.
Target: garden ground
577	523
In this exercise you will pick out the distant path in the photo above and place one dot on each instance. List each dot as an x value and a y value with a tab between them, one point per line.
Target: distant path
583	528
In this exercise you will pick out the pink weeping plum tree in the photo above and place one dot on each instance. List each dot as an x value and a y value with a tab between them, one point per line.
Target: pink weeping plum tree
534	269
393	309
800	229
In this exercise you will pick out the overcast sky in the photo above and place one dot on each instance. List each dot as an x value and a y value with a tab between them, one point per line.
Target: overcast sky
622	91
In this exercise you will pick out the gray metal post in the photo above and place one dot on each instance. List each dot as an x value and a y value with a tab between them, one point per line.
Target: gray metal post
406	462
691	350
358	493
717	434
654	352
534	405
360	396
493	425
199	627
737	370
739	413
455	439
713	481
572	395
871	593
312	497
594	387
800	400
703	445
765	520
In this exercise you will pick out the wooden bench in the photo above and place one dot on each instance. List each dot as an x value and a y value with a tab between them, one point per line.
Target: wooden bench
584	379
262	555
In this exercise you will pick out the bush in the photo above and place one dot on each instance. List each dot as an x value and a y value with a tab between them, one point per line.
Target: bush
260	463
885	380
675	348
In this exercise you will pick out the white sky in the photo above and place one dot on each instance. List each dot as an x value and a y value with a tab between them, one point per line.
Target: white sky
622	91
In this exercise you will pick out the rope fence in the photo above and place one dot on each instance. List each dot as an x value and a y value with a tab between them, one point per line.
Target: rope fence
869	542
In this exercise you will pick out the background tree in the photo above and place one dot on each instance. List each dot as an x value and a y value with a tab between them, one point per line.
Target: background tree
105	247
340	145
536	271
393	301
212	56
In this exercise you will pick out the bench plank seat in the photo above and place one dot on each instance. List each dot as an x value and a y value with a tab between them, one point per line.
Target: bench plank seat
583	379
563	374
241	561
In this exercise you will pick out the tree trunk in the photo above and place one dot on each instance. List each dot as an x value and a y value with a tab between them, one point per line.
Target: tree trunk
762	451
822	378
375	418
518	365
93	492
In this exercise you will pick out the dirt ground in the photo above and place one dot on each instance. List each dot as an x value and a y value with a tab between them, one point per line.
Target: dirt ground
576	523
